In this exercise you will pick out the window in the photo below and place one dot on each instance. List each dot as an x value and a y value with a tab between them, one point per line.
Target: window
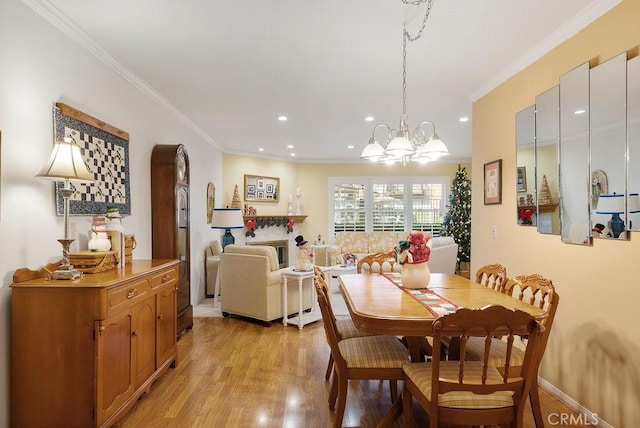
387	204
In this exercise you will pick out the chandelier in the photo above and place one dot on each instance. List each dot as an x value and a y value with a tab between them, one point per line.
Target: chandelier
400	146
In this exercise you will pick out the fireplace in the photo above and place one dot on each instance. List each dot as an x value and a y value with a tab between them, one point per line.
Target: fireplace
282	249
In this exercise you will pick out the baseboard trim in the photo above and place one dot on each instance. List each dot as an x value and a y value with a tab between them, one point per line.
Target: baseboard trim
587	415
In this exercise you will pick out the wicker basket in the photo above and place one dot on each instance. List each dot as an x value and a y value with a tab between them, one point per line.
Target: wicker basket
129	246
94	261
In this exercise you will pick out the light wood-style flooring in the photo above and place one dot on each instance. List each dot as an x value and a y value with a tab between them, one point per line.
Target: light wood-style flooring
236	373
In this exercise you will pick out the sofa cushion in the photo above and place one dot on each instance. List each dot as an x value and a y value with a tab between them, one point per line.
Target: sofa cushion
442	241
383	242
354	242
257	250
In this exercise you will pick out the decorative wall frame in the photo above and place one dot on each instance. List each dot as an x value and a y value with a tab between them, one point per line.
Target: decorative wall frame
493	182
106	152
261	189
521	183
211	202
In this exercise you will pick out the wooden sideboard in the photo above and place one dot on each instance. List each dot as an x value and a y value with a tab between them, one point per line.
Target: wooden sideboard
83	351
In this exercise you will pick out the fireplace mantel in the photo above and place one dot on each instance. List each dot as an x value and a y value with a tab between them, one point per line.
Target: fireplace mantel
296	218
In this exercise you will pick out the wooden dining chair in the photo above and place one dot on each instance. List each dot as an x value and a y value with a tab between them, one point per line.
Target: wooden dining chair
344	325
359	358
538	291
376	263
474	392
493	276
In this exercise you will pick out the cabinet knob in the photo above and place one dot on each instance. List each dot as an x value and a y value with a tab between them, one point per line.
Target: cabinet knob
160	317
132	293
166	278
134	333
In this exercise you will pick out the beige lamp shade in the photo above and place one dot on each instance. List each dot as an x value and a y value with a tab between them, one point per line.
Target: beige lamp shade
66	163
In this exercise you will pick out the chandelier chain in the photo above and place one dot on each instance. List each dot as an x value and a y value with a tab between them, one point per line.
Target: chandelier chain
406	36
424	20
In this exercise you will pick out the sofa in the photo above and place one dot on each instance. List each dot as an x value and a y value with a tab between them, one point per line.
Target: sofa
212	262
444	250
251	284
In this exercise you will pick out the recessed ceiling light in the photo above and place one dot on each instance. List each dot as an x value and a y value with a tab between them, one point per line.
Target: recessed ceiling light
464	119
282	118
292	154
261	149
290	146
581	111
350	146
369	118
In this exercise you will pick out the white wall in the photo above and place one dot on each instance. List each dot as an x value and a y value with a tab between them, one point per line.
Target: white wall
40	66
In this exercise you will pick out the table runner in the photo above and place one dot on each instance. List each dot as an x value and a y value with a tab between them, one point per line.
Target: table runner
431	300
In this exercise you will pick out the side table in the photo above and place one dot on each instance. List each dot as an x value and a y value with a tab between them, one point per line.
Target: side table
337	270
303	318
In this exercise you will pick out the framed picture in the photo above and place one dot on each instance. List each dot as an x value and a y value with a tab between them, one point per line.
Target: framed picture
106	153
493	182
522	179
211	201
261	189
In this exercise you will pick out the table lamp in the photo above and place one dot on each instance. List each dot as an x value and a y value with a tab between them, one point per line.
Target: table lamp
614	205
66	164
227	219
633	205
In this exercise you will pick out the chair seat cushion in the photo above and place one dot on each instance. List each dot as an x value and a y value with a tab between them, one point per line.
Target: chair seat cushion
348	330
420	375
374	352
474	351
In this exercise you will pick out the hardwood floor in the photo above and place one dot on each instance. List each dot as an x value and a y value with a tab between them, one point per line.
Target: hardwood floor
235	373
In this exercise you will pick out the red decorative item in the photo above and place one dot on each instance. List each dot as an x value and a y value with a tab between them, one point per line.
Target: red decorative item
290	225
525	216
251	228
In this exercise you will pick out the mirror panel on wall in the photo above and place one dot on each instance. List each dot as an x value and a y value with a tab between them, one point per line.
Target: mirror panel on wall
608	147
525	171
547	164
633	142
575	186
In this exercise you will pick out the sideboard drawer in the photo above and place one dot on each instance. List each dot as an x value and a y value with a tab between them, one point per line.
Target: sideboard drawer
127	292
164	277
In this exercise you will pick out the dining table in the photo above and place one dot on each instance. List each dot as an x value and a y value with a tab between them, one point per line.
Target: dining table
379	304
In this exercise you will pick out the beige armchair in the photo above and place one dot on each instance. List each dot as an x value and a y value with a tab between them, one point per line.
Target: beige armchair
251	284
212	262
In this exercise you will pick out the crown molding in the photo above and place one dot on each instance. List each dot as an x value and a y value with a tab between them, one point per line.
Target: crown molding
566	30
55	17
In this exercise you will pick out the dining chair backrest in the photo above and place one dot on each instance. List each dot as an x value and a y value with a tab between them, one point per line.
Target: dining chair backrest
376	263
319	272
493	276
539	291
329	321
322	287
478	383
487	322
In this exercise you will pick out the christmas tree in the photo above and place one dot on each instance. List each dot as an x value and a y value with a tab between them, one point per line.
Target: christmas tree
457	221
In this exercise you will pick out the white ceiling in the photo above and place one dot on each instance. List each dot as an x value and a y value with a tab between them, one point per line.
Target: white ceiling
229	68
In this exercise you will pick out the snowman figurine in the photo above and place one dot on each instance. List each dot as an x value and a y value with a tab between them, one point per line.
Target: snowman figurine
99	240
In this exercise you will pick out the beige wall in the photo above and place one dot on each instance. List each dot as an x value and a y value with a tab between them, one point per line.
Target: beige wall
313	180
594	351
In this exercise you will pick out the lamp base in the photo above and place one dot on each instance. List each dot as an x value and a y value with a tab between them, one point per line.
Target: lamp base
66	272
66	269
228	238
616	224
